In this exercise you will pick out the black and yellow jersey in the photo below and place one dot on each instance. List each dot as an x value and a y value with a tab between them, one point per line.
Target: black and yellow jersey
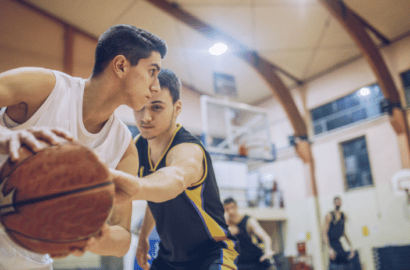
192	223
251	246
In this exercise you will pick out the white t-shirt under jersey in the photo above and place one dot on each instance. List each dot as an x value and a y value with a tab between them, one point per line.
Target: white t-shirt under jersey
63	108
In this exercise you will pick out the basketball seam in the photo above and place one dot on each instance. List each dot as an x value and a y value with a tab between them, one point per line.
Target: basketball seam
51	196
51	241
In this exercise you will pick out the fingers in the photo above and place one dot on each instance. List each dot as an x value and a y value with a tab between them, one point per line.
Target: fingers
264	257
53	136
142	260
63	133
59	256
78	252
13	147
31	139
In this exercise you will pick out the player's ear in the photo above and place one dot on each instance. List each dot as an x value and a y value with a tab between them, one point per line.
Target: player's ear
120	65
178	107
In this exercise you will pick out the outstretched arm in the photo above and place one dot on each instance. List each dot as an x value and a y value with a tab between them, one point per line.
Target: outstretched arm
184	168
253	226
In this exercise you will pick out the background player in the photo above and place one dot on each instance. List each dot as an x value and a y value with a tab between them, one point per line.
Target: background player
255	244
333	230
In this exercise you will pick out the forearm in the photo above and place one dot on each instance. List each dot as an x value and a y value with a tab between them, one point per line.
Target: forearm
147	224
326	239
116	244
348	241
163	185
267	243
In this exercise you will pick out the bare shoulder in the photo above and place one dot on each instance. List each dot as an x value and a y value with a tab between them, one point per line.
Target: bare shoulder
252	222
29	76
184	151
29	85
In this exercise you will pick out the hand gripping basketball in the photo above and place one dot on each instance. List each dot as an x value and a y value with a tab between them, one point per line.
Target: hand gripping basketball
54	200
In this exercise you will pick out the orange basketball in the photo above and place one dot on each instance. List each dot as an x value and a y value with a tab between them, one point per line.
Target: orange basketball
54	200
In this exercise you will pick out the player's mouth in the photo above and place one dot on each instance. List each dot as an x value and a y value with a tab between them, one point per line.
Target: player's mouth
147	127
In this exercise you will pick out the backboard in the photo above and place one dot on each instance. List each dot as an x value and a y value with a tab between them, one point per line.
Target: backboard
401	183
235	129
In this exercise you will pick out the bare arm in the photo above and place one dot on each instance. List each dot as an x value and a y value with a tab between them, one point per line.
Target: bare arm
332	252
326	226
143	243
352	253
184	168
23	91
253	226
117	239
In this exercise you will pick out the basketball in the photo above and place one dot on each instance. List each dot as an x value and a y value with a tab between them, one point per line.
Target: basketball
54	200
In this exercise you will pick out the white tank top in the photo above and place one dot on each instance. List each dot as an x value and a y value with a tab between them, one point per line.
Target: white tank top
64	108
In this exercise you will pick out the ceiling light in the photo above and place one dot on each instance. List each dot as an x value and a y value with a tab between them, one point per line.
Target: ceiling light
218	49
365	91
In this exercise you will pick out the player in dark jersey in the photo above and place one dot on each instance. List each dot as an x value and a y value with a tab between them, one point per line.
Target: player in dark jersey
184	201
333	230
255	244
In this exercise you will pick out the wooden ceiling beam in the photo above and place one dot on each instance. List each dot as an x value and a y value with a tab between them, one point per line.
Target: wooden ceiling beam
266	69
354	26
382	37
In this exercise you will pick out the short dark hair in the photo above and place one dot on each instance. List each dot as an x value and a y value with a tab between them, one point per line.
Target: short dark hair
168	79
335	198
132	42
229	200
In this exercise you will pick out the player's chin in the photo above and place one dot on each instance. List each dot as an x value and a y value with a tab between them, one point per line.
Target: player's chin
147	136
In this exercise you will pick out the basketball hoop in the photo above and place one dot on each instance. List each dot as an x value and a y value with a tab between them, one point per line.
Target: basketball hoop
400	184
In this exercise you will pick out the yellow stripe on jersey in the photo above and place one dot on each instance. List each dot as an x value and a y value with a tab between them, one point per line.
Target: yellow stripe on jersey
228	258
153	169
216	232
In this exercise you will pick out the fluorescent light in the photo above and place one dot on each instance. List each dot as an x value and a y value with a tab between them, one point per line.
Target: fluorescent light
218	49
365	91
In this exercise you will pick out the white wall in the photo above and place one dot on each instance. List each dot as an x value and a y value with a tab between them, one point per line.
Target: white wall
374	207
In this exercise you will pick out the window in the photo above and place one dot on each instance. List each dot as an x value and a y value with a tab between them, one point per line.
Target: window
356	163
224	84
360	105
405	77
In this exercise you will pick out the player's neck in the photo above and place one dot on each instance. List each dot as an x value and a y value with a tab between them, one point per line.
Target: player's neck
238	218
159	144
98	103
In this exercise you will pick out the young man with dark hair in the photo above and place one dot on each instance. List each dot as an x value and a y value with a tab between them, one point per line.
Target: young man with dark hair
183	200
333	230
255	244
53	106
